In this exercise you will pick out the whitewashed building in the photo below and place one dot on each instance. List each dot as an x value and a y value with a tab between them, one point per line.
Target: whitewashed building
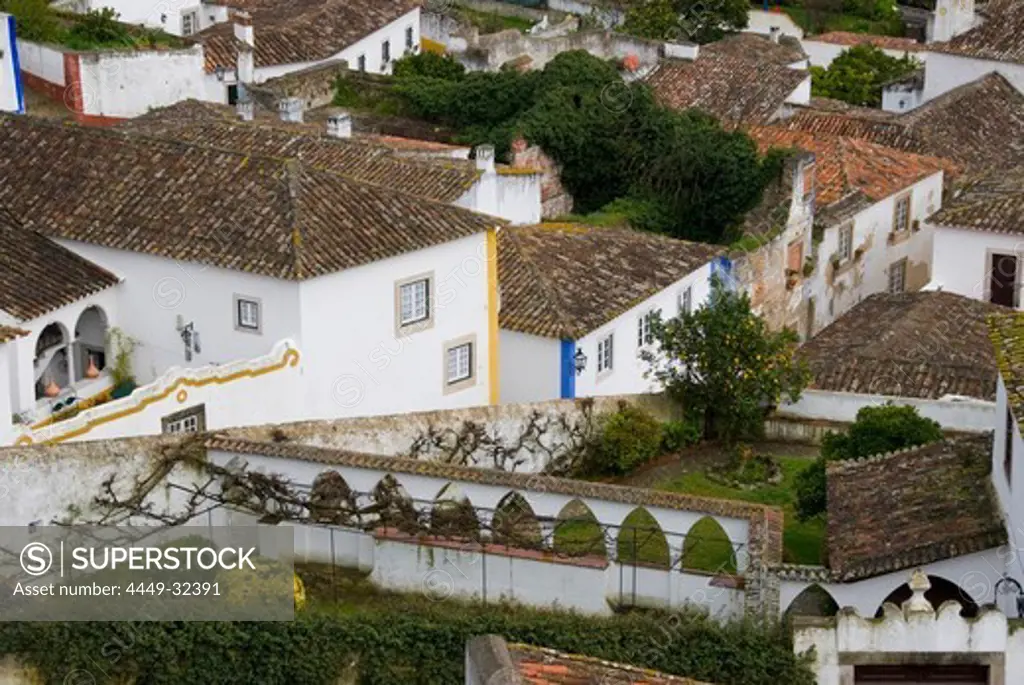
389	299
577	301
979	240
870	202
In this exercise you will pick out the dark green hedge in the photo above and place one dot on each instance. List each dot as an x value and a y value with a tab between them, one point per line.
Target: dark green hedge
415	643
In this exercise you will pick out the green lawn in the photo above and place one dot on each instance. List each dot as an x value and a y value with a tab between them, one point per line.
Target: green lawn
802	541
491	22
580	536
641	540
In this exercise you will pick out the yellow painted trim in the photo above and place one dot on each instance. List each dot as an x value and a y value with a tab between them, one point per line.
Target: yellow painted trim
492	313
290	358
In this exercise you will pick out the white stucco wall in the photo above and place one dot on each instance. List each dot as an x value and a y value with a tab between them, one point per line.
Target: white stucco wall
628	369
869	274
1008	486
128	84
821	53
802	94
945	72
941	636
961	258
6	426
11	95
531	367
963	415
157	291
43	61
515	197
357	365
759	21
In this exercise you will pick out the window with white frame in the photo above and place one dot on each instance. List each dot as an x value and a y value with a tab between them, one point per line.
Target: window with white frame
409	37
898	277
414	302
248	314
604	353
845	242
686	300
189	23
191	420
459	363
644	335
901	214
385	52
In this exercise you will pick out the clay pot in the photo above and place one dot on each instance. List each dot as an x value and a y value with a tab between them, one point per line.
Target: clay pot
52	390
92	371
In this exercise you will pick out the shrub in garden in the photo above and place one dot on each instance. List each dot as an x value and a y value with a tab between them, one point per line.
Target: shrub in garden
629	437
676	435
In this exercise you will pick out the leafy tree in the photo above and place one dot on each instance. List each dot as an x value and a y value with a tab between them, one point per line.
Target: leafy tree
722	363
431	65
686	20
876	430
857	75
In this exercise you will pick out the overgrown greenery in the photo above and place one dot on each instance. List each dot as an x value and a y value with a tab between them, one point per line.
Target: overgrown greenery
630	437
686	20
877	17
392	639
620	152
857	75
876	430
37	21
724	365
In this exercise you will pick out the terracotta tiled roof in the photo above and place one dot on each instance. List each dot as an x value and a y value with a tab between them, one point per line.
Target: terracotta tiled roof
848	165
994	203
37	275
565	280
911	508
757	47
730	87
541	666
486	476
978	125
1000	37
297	31
924	344
1006	331
216	126
275	217
8	333
885	42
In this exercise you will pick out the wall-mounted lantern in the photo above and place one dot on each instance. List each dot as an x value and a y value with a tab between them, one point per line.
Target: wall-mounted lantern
580	362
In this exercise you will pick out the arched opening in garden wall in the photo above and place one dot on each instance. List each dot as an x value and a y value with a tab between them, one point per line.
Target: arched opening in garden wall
578	532
453	515
708	548
641	541
941	591
813	600
393	507
515	524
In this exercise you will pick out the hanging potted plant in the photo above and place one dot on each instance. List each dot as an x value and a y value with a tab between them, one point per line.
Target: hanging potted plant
123	346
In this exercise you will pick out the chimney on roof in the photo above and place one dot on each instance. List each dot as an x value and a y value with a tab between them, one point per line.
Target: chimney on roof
485	158
774	33
291	109
245	109
339	124
246	66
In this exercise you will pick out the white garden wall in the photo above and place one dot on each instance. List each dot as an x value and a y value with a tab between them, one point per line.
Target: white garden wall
961	415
